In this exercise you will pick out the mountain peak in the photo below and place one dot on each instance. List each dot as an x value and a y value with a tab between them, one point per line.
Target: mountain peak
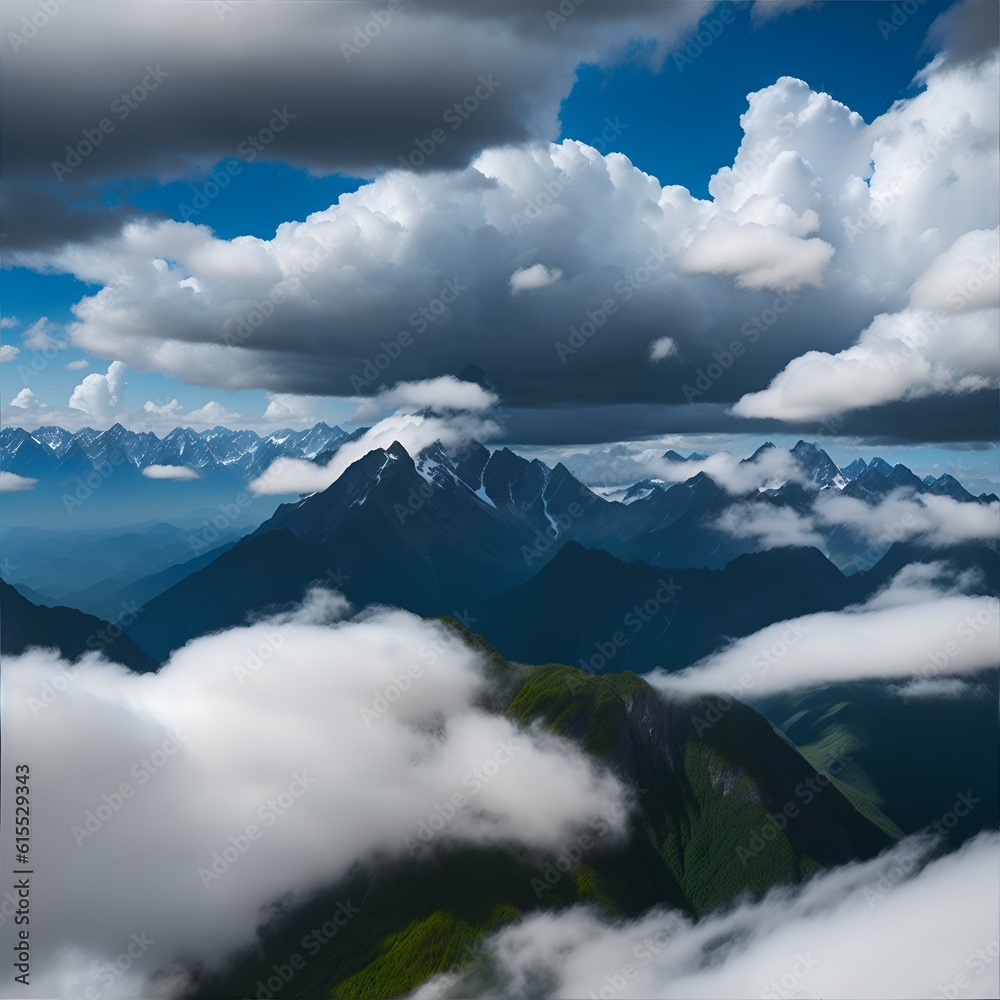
397	451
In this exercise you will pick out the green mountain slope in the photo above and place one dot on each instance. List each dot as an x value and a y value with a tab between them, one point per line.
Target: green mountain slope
701	833
911	758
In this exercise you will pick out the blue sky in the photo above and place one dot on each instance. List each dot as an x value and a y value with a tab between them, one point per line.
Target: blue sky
679	123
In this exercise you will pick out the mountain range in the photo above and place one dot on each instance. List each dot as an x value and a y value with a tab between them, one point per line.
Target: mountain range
569	593
521	548
204	468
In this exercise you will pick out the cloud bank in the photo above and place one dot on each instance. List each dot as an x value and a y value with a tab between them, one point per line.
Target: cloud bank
334	737
894	221
916	627
899	925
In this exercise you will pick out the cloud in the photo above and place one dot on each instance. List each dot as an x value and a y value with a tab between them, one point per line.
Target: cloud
75	366
8	353
38	336
769	468
772	527
422	62
365	770
965	34
212	414
919	582
938	342
413	431
661	348
439	395
767	10
171	409
902	516
938	687
907	355
169	472
100	395
963	278
922	635
6	322
288	407
26	400
759	256
845	216
536	276
12	483
899	925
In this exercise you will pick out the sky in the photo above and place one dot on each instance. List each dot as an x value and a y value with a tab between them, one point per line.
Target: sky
692	225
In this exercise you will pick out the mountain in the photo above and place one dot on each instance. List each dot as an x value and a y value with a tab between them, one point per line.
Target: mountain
855	469
911	757
24	625
588	608
83	568
110	595
702	833
73	468
948	486
464	532
819	469
259	574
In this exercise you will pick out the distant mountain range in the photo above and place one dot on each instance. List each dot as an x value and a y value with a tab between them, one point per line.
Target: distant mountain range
71	468
52	452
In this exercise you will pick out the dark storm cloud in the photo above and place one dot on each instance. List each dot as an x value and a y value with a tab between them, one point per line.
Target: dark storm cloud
180	85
